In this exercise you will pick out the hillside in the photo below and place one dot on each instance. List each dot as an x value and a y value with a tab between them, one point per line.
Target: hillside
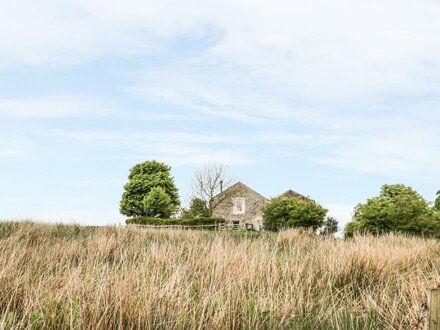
58	276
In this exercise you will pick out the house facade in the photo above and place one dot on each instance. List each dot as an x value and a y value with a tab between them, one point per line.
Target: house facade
242	206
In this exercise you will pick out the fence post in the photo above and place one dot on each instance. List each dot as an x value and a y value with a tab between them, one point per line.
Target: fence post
433	319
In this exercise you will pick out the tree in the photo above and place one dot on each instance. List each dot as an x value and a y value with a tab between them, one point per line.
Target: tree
398	208
329	227
437	202
283	212
208	182
142	179
158	203
197	208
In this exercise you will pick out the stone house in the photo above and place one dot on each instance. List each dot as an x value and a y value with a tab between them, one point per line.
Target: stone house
240	205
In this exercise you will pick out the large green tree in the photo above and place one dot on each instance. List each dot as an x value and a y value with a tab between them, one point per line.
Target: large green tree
158	204
283	212
142	179
398	208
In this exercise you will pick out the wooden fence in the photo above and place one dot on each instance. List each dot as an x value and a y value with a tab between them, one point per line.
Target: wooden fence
433	310
220	226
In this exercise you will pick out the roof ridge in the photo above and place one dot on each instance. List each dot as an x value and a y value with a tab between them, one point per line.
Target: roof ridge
240	183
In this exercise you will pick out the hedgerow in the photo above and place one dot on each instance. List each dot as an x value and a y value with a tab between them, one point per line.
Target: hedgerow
199	221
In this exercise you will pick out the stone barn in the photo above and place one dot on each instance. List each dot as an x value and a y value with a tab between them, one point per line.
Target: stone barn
241	206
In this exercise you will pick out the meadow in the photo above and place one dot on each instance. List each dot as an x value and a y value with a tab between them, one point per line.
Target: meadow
72	277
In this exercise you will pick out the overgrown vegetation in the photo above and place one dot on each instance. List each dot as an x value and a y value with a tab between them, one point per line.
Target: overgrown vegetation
292	212
71	277
197	208
398	208
198	221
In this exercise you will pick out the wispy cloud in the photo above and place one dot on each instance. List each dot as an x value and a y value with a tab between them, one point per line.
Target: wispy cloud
342	84
53	107
177	148
14	148
401	149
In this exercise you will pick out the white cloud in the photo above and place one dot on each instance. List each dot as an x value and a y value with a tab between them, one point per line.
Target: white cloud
328	68
135	138
402	149
176	148
357	46
61	106
14	148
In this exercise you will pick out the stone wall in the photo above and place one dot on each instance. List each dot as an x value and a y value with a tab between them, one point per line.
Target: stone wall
254	202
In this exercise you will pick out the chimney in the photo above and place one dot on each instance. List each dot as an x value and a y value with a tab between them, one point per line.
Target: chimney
221	186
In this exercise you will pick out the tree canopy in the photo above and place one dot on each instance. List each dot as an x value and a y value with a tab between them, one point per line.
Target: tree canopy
158	204
398	208
284	212
437	202
143	178
197	208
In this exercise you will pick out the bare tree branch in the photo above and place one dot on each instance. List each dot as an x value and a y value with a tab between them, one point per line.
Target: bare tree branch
207	183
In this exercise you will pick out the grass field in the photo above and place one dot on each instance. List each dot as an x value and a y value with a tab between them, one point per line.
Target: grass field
72	277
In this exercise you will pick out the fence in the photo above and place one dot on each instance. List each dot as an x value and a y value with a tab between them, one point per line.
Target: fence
219	226
433	309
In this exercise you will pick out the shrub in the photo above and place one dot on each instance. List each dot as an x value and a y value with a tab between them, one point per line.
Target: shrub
197	208
329	227
199	221
283	212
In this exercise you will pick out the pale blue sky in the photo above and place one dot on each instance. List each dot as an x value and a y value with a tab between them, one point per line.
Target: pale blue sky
332	99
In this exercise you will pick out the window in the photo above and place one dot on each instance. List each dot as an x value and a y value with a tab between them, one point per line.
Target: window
238	206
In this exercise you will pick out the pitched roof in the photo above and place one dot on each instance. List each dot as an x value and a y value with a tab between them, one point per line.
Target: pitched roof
291	193
238	184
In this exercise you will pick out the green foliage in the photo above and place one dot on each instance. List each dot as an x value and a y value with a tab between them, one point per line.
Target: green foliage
197	208
143	178
398	208
8	228
179	222
351	228
291	212
53	313
158	203
437	202
329	227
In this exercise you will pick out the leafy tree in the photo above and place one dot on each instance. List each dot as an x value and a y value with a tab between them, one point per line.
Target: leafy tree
197	208
158	204
437	202
283	212
398	208
142	179
329	227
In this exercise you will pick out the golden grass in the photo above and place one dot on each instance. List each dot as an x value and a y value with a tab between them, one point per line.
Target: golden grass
71	277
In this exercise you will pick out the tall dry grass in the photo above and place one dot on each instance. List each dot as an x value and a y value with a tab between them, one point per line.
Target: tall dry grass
71	277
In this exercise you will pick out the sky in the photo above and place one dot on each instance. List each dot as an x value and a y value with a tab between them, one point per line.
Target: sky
332	99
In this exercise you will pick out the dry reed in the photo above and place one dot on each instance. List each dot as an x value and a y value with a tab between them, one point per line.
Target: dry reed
71	277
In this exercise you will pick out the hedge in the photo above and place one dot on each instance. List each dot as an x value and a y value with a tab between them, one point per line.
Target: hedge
178	222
